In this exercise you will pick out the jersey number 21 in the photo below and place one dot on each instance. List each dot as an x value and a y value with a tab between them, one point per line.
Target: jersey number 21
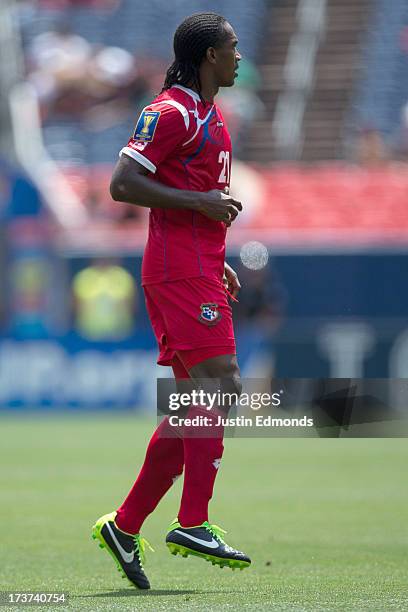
224	159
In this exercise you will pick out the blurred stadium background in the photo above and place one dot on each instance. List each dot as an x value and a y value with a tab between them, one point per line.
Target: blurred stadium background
319	119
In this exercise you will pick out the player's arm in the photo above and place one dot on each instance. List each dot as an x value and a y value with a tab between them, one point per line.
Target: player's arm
131	184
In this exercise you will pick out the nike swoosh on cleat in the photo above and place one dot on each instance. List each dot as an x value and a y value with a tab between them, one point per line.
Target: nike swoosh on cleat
212	544
126	556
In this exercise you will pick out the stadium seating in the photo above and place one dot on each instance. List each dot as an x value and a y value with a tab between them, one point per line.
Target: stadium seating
148	26
383	91
144	28
330	204
335	65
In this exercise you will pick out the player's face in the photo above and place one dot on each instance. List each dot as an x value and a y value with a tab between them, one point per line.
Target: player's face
227	58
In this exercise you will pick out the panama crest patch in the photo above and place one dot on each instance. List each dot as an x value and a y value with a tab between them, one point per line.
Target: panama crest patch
210	315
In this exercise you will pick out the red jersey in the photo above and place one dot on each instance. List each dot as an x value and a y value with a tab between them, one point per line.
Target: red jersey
185	144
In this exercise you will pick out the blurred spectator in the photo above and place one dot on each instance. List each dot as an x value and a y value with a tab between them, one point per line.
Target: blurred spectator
257	317
73	77
29	288
400	149
25	283
371	149
263	299
104	295
57	61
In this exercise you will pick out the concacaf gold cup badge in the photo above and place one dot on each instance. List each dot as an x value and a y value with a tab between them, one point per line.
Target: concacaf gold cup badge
147	121
146	126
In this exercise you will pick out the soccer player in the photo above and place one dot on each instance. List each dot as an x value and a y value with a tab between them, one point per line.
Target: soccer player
178	164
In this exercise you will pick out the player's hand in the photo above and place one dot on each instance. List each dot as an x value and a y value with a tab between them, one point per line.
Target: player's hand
231	280
219	206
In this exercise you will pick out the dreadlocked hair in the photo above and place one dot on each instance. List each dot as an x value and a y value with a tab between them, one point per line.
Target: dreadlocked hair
191	40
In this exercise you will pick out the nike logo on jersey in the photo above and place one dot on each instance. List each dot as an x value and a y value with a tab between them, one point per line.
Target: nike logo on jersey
126	556
209	544
220	124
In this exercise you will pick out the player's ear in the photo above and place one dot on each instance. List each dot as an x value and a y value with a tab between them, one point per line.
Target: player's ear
211	55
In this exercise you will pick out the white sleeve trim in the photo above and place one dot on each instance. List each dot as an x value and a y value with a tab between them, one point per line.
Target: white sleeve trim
179	107
139	158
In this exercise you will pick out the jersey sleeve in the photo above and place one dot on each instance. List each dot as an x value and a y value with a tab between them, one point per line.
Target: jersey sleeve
160	129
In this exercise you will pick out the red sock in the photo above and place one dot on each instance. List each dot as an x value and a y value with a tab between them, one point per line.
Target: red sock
202	457
162	465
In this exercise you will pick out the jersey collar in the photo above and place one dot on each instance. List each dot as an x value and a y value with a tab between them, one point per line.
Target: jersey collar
189	91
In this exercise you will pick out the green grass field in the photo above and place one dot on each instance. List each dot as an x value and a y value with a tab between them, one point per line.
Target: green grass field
324	520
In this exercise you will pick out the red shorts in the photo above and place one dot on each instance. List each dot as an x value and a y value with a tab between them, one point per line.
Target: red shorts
191	315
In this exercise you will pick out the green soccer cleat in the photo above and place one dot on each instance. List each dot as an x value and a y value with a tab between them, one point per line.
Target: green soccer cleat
128	551
205	541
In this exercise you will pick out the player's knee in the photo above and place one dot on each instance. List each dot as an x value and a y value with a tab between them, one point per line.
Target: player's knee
235	383
238	384
231	375
231	386
220	373
232	389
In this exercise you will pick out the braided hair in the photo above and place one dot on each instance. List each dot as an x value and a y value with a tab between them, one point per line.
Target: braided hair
191	40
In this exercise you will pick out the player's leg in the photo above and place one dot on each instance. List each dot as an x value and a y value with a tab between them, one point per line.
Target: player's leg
203	449
118	532
197	320
203	446
163	464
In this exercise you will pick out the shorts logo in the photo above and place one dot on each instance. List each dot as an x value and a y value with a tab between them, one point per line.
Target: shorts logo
146	126
210	314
